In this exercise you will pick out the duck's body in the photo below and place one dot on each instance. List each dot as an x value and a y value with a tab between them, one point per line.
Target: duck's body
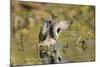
48	35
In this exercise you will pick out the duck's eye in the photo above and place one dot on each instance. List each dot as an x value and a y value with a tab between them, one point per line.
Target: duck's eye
58	30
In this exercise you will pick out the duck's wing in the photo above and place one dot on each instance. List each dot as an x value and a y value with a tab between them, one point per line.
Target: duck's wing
61	26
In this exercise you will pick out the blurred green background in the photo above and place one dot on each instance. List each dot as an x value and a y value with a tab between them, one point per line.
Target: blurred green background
27	18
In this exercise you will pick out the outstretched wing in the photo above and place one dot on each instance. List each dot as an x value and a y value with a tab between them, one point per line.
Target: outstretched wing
58	27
